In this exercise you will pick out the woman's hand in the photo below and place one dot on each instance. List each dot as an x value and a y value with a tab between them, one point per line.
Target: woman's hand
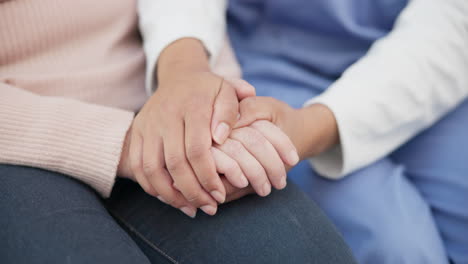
232	192
312	129
256	154
170	138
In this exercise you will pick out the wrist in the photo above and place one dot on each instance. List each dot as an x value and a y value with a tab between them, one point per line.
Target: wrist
182	56
123	168
319	131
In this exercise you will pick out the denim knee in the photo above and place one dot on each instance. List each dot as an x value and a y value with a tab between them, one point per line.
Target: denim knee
47	217
285	227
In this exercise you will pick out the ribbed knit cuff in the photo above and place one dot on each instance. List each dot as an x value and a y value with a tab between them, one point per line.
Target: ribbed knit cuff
72	137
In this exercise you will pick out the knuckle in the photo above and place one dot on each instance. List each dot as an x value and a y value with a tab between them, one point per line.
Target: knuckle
209	183
254	138
135	167
196	151
257	176
173	162
193	197
149	168
228	104
193	194
232	169
202	113
235	146
231	110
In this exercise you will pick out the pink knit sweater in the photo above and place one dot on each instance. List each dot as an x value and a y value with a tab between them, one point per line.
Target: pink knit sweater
71	77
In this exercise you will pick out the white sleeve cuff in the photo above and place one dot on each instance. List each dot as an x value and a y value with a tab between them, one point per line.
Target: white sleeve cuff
163	22
331	163
358	145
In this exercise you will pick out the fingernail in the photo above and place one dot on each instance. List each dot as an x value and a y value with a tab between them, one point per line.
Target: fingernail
209	209
266	189
293	158
244	181
161	199
221	133
283	183
189	211
218	196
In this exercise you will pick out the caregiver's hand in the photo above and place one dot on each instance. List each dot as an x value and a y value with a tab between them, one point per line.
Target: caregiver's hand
256	154
170	138
312	129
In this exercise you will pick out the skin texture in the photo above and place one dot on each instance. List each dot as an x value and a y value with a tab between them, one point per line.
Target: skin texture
312	129
168	149
261	151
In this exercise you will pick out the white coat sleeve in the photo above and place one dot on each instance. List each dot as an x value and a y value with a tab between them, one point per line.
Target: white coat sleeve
162	22
405	83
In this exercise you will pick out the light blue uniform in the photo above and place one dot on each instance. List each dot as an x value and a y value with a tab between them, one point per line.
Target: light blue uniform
409	207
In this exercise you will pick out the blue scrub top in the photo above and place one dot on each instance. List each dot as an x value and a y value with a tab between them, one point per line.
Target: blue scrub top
294	49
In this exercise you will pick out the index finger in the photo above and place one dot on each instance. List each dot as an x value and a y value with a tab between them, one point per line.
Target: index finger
181	171
197	148
279	140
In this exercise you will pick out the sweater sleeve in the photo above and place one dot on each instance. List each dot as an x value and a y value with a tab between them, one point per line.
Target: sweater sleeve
79	139
165	21
406	82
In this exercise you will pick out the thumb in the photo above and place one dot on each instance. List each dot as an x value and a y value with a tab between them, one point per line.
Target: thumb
225	112
255	108
243	89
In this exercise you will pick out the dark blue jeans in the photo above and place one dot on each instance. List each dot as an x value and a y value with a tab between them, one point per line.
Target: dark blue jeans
47	217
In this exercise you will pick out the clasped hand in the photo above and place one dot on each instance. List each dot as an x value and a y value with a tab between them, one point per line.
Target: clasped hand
182	139
186	146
